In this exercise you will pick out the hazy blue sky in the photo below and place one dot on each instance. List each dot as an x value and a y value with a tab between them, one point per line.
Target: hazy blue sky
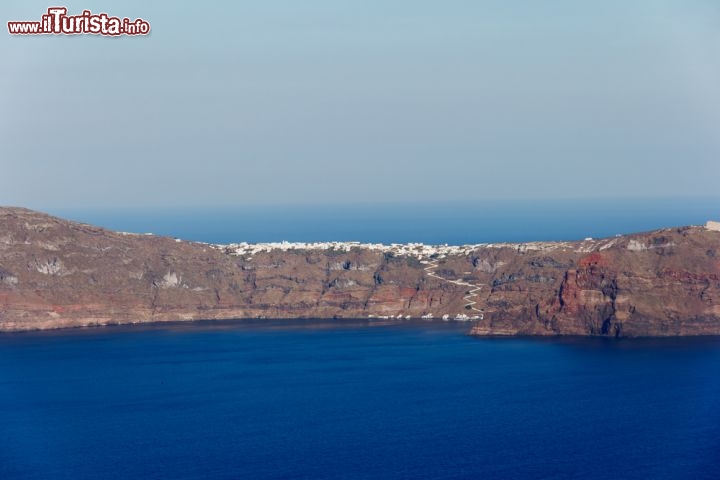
238	103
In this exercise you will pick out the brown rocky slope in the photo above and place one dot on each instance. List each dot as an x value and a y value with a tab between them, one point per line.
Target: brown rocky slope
56	273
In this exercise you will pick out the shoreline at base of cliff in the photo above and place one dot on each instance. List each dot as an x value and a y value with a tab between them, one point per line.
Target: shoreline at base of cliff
56	273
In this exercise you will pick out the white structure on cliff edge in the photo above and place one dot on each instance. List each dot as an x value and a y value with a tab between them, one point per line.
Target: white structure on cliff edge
711	225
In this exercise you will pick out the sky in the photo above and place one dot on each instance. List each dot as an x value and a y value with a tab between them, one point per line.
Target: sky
318	102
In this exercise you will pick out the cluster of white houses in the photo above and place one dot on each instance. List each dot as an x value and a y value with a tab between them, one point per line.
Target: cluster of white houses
409	249
423	251
418	250
460	317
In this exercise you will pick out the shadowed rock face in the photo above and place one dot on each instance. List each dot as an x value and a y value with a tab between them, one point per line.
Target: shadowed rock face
55	273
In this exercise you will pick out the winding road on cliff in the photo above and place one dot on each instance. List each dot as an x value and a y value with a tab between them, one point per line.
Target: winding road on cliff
471	295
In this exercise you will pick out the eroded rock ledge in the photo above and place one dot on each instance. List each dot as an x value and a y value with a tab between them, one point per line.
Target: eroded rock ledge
56	273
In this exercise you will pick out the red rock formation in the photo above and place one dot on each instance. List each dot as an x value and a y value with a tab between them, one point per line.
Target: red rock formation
55	273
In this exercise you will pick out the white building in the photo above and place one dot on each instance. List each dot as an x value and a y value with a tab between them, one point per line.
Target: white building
711	225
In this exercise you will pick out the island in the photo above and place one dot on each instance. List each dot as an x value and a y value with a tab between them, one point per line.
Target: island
56	273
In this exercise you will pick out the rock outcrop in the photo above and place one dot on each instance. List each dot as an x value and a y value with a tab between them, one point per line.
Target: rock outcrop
56	273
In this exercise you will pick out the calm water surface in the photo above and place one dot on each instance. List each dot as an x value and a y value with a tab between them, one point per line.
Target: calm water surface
435	223
354	400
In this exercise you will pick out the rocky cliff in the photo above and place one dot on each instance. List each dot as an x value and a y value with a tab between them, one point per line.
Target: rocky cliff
55	273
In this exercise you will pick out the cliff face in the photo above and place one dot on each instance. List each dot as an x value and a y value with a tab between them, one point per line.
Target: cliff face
55	273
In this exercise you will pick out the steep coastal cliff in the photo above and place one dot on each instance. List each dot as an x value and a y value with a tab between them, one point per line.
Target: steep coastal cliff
56	273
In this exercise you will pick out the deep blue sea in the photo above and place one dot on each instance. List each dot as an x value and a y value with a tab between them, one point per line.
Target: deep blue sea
324	400
437	223
362	400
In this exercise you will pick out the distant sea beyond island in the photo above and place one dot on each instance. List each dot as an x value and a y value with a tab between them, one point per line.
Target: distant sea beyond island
454	223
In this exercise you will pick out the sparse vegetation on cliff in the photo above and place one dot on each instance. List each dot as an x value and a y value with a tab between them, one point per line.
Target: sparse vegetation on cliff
55	273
